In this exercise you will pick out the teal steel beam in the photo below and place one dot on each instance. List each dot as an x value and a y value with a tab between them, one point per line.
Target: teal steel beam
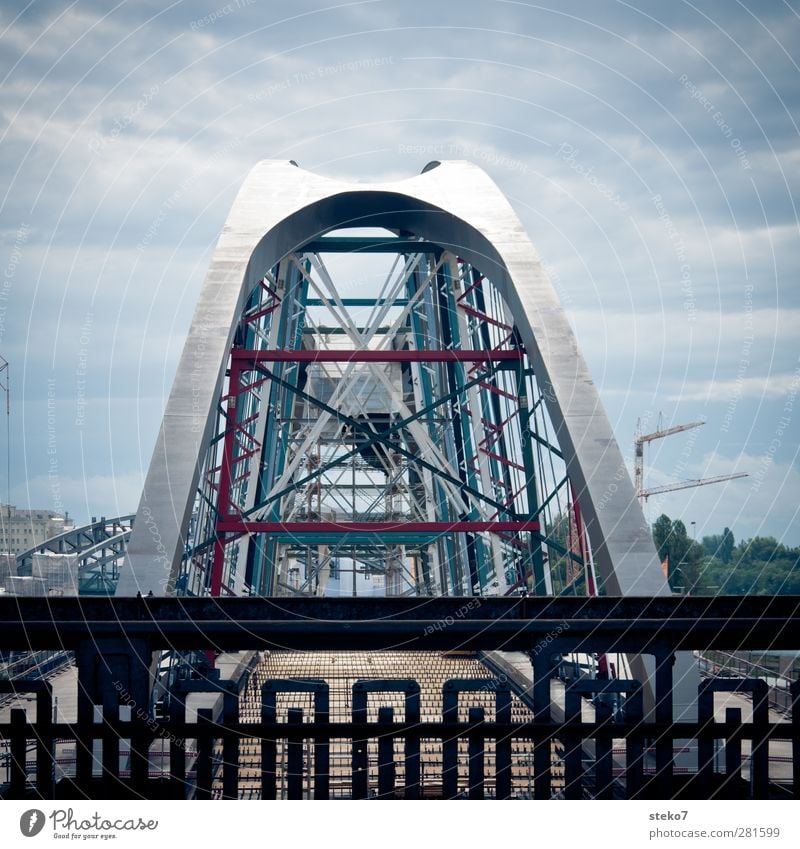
551	543
451	337
290	330
448	569
544	443
547	500
490	402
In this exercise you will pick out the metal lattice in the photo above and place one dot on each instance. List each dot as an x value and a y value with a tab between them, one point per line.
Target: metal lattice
399	436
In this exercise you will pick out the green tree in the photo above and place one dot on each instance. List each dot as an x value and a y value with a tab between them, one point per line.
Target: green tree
763	549
726	546
759	566
719	547
713	545
680	545
684	556
662	528
692	569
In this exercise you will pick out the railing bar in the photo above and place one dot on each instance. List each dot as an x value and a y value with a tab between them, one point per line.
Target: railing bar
204	762
733	749
19	745
476	754
387	771
603	774
177	745
294	757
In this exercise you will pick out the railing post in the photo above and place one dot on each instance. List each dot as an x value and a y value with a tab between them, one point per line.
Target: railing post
759	756
19	748
110	738
230	742
665	659
733	749
603	767
573	746
360	762
634	745
476	754
204	762
795	692
141	737
502	746
450	742
543	668
294	756
322	761
177	745
413	789
706	742
45	745
386	766
84	738
759	752
269	745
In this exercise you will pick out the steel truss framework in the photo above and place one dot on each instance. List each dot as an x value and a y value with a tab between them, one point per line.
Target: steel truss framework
99	548
393	454
427	422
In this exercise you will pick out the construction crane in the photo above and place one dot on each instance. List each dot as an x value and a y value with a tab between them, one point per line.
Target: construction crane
671	487
643	438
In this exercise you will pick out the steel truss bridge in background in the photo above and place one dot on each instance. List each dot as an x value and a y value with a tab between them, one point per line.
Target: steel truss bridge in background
98	547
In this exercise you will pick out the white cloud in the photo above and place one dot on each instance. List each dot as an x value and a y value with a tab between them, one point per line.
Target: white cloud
767	388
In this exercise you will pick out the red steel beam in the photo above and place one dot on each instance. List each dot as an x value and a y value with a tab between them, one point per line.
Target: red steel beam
267	288
501	459
370	356
483	317
473	286
236	526
261	313
497	391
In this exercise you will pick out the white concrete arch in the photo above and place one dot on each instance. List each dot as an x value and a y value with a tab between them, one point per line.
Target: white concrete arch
279	208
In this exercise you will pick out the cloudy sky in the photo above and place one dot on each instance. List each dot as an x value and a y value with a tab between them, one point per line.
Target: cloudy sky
650	149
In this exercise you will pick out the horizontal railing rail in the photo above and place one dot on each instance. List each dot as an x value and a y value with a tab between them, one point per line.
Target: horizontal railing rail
629	624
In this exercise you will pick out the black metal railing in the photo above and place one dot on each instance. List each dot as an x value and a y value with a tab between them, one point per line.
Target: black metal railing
120	750
723	664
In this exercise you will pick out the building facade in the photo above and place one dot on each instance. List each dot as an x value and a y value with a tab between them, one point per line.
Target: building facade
21	530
